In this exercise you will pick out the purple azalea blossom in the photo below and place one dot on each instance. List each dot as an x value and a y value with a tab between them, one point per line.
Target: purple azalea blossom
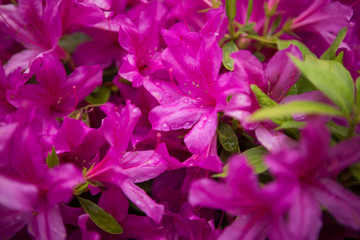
76	14
29	189
260	210
55	94
126	168
11	82
274	79
78	144
37	25
312	165
188	58
140	38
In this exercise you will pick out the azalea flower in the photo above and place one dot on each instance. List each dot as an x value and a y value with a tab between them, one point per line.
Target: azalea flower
312	166
259	210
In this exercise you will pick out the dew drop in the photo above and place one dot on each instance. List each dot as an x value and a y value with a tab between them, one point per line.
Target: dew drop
197	85
209	120
186	100
157	95
187	125
189	92
165	127
200	125
194	83
157	83
136	110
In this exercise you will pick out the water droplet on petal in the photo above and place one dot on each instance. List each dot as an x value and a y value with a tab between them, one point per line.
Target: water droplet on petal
186	100
136	110
189	92
194	83
157	83
185	85
165	127
209	120
197	85
187	125
200	125
157	95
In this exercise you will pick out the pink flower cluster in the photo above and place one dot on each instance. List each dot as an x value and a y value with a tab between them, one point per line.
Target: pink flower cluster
178	119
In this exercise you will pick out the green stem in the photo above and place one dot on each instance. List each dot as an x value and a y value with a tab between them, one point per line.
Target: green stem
352	127
266	26
260	39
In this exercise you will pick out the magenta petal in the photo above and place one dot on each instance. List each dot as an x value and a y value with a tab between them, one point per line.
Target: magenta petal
346	153
341	203
76	14
141	166
140	227
85	233
85	79
130	71
240	229
273	141
208	193
181	114
115	203
205	130
70	135
305	217
142	200
11	222
208	159
164	92
247	66
119	124
17	195
21	59
64	179
48	224
281	73
323	15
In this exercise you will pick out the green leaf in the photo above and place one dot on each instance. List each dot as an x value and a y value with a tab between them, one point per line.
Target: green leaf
52	159
355	170
339	58
255	156
228	138
290	125
296	107
275	24
101	218
99	96
259	56
223	174
266	102
70	42
331	78
357	92
229	48
216	4
230	8
301	86
263	99
329	54
249	10
283	44
339	132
